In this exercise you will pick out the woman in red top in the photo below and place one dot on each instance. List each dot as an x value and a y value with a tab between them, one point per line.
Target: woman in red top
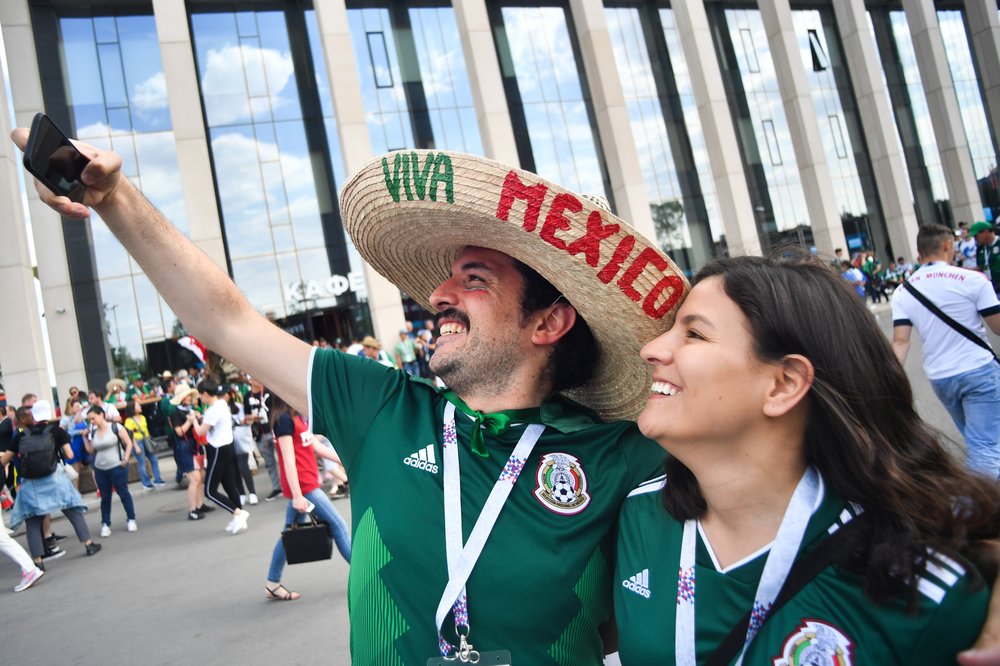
300	483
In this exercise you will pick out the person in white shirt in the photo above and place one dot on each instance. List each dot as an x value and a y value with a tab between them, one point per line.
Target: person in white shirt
216	426
964	375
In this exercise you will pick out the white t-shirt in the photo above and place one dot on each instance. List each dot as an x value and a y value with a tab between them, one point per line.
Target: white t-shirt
221	419
967	250
965	296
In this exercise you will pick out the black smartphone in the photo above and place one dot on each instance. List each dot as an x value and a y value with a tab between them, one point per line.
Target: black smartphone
53	159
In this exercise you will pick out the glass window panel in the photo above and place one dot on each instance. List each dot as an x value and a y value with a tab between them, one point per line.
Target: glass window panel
284	241
253	66
220	68
104	29
241	196
112	76
147	87
548	79
267	143
121	321
918	104
766	136
246	23
970	101
117	99
148	304
258	279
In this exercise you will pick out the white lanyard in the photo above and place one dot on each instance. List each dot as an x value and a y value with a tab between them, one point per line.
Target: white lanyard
779	563
461	559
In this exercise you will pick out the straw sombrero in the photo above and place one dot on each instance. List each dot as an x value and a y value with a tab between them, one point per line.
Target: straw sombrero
116	382
410	213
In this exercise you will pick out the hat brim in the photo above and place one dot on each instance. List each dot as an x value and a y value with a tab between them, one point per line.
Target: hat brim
179	398
625	287
115	382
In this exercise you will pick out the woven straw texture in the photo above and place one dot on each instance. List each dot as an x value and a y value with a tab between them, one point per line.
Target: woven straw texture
413	241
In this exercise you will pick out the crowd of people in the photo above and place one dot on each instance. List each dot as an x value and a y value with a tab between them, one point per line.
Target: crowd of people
215	430
817	516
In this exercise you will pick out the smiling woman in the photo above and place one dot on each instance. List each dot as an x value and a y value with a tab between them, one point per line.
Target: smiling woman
793	443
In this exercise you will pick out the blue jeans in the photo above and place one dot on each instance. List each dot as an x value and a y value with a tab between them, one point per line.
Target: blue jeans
973	401
140	459
324	511
117	478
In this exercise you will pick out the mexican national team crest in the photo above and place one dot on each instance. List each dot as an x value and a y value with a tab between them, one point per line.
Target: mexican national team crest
816	643
562	484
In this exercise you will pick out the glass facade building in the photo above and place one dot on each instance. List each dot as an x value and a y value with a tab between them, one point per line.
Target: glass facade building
282	111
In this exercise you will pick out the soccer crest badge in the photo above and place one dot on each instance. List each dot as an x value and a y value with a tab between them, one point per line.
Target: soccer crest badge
562	484
816	642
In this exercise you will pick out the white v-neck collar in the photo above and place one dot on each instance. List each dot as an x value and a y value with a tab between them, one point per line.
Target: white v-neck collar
749	558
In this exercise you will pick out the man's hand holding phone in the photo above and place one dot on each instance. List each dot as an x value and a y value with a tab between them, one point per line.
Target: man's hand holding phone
70	176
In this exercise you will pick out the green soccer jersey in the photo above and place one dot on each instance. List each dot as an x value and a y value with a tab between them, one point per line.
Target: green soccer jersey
542	585
829	621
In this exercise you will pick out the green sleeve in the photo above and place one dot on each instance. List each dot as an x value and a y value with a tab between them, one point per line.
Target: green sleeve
954	625
346	394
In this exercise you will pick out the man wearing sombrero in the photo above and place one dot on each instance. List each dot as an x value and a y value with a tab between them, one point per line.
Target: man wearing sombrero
482	515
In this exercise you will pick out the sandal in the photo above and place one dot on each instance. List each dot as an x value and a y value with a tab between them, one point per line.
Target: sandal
279	593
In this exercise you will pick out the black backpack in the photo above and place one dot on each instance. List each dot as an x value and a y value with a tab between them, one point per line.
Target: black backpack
37	453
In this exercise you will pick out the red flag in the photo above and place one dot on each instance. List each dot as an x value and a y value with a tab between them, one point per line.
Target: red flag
192	344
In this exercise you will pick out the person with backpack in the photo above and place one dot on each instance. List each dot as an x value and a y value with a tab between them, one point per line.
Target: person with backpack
44	488
112	449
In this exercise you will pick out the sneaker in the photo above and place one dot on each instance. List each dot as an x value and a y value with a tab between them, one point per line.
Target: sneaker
204	508
55	538
105	530
273	496
243	500
53	553
92	548
194	515
253	499
148	489
240	522
28	579
159	484
231	525
132	527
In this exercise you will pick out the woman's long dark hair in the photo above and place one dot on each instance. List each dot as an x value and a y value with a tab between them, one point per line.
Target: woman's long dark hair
863	434
279	407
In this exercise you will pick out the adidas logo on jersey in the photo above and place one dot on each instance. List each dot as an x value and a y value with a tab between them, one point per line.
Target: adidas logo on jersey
423	459
638	583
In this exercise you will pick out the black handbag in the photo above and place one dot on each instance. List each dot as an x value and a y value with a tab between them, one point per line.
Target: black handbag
307	542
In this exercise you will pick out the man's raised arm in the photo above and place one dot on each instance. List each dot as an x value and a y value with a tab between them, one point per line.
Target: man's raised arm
199	292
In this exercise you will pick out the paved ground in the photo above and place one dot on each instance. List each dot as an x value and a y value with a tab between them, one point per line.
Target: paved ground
175	592
183	592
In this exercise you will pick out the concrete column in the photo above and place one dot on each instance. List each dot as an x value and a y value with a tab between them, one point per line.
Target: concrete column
204	225
800	112
943	104
884	150
613	124
984	34
731	188
22	350
486	81
384	302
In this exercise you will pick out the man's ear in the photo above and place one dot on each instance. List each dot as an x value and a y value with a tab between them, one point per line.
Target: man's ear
552	323
793	377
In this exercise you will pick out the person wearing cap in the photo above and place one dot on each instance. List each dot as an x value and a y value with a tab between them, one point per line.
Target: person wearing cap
405	352
544	299
987	251
187	450
39	496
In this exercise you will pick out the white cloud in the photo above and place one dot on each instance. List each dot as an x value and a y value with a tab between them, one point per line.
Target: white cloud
229	70
151	94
